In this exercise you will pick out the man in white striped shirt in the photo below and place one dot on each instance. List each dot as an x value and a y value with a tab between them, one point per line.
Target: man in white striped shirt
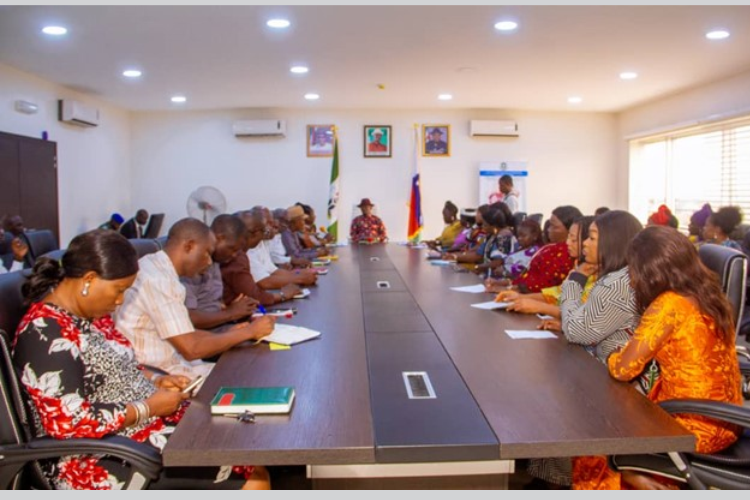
154	317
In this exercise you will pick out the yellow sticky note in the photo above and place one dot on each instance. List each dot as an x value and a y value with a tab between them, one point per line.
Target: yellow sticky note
278	347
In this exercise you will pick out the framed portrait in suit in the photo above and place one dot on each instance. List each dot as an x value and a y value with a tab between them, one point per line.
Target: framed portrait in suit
377	141
436	140
320	140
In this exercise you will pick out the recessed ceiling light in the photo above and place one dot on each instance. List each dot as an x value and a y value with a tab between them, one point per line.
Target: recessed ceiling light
628	75
445	97
506	25
717	34
299	70
132	73
278	23
54	30
179	99
575	100
312	97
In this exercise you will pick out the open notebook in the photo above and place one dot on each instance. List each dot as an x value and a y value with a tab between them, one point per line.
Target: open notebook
290	335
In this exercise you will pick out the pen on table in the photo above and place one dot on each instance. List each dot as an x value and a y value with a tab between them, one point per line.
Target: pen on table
261	309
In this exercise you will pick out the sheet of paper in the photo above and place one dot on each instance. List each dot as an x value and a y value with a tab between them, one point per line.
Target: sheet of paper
470	289
290	334
544	317
303	294
439	262
530	334
491	306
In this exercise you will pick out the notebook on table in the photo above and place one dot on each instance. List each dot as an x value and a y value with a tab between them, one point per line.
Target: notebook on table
260	400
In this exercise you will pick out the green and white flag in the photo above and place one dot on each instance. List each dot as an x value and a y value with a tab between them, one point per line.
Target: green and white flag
334	193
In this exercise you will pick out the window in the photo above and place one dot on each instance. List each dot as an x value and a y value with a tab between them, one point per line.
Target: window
687	168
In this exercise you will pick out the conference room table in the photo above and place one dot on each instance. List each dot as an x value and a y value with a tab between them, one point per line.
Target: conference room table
408	380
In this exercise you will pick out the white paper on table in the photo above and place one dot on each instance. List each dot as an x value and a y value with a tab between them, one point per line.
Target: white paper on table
304	293
439	262
530	334
490	306
544	317
290	334
470	289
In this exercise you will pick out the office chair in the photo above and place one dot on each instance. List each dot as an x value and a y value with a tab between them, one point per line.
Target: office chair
55	254
536	217
728	469
144	246
20	449
12	306
40	242
161	241
518	218
731	267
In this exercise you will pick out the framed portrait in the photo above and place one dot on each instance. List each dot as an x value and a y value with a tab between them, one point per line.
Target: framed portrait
378	141
320	140
436	140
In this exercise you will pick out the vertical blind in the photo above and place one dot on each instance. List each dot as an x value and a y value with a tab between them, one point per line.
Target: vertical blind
685	169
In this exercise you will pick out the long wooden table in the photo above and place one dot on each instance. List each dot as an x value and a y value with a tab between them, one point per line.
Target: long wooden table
497	398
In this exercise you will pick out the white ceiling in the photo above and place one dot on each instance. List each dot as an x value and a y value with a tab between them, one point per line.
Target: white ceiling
226	57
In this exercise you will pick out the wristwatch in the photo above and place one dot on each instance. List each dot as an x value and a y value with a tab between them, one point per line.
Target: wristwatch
281	294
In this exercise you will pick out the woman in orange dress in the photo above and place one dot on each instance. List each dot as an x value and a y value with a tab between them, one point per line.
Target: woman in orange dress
687	328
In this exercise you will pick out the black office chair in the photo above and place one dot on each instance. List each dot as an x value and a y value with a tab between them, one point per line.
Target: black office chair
20	449
12	306
144	246
518	218
727	470
41	242
162	241
731	267
55	254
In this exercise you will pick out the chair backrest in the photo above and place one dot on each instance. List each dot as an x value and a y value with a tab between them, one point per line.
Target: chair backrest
12	306
144	246
41	242
55	254
162	241
518	218
731	267
14	423
154	226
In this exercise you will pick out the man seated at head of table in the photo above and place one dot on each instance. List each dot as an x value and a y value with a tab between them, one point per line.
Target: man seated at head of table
153	315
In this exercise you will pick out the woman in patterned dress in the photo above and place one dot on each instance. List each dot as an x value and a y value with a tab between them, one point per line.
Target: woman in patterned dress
687	328
82	377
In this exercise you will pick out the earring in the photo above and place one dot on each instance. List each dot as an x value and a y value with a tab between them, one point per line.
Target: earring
85	291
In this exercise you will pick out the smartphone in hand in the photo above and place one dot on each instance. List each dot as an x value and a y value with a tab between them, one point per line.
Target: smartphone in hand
191	387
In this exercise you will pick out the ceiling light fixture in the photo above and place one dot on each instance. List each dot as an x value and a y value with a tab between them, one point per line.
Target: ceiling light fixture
132	73
54	30
506	25
179	99
312	97
575	100
628	75
717	35
278	23
445	97
299	70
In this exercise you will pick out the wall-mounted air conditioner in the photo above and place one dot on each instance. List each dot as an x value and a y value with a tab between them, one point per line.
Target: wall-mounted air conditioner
259	128
493	128
77	113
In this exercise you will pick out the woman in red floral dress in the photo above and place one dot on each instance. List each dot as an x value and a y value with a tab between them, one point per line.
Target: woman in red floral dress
82	376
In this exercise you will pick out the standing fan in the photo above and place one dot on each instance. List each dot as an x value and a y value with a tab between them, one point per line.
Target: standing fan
205	203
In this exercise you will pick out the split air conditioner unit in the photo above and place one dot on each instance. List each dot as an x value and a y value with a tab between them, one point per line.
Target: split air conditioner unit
493	128
259	128
77	113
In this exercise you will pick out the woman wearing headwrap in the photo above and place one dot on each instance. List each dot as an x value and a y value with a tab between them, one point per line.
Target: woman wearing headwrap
663	217
698	221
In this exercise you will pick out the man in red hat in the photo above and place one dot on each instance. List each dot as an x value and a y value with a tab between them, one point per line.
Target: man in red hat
367	228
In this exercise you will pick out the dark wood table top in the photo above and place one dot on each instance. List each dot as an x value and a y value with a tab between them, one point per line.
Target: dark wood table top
541	398
330	422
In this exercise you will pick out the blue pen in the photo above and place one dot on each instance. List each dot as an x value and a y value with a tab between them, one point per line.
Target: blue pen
261	309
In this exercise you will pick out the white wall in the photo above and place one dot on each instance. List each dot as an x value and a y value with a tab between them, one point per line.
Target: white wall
93	163
701	104
571	157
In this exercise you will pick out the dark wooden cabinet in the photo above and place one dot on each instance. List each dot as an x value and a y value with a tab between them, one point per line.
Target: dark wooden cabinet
28	181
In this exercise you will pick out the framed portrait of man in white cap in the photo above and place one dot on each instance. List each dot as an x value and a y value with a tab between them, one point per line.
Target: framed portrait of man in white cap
320	140
378	141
